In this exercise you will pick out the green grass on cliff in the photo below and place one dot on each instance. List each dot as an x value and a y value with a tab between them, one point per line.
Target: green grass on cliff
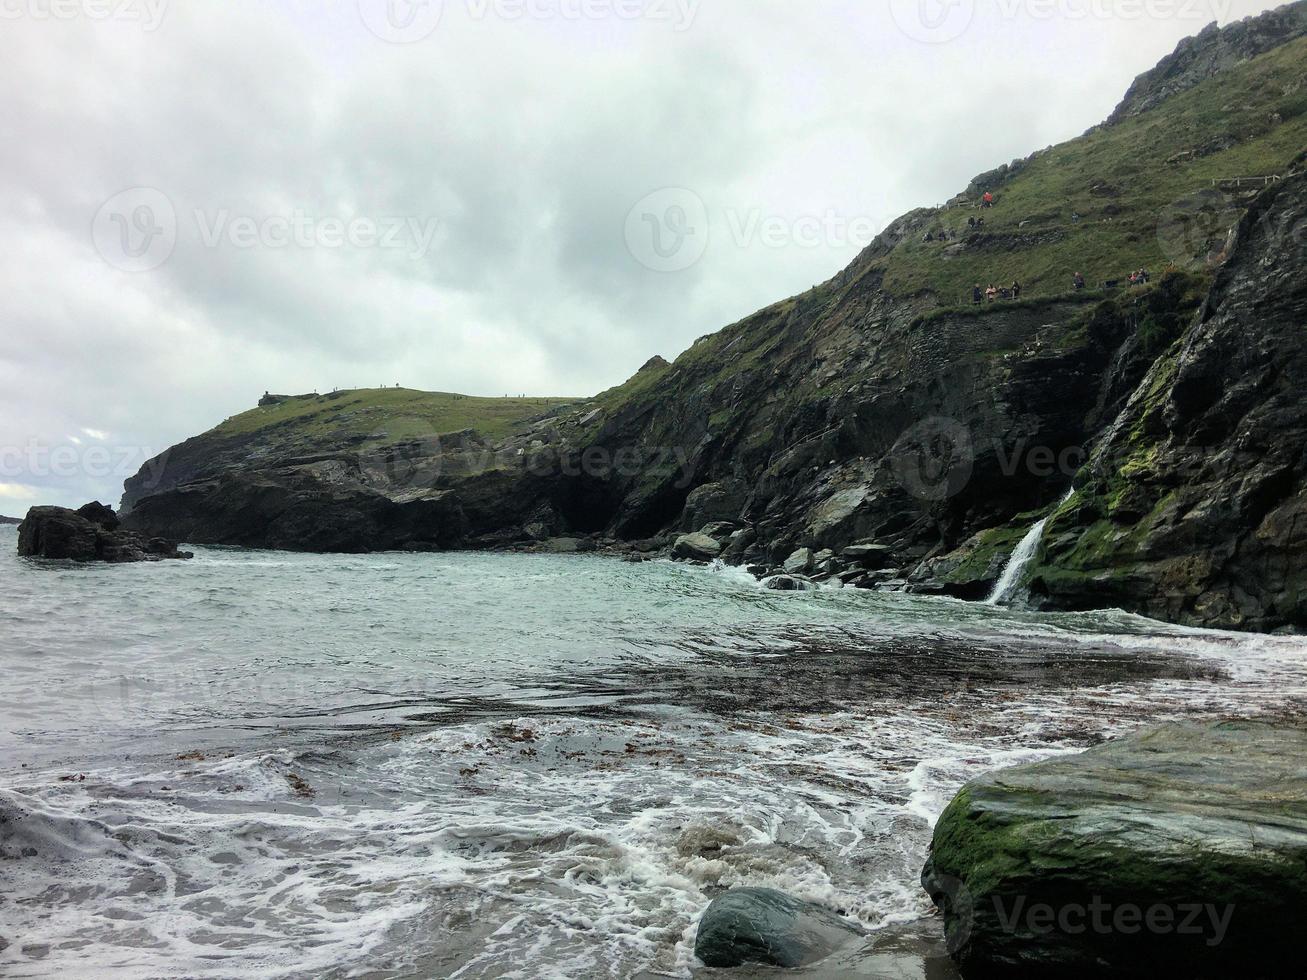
1145	197
1132	185
387	415
1143	190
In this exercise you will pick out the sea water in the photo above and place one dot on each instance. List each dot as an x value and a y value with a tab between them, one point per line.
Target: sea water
278	765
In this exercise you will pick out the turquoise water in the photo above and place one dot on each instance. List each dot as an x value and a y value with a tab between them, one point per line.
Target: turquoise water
264	764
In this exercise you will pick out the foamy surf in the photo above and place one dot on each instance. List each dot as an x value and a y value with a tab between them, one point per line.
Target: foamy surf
491	786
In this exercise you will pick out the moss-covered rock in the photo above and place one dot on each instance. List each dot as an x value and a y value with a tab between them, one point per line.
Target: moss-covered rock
1178	852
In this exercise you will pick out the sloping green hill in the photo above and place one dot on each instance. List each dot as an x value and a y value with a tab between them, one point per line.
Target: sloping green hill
1143	190
1138	186
385	415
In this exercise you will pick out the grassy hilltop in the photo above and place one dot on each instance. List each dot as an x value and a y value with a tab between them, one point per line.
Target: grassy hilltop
378	416
1123	181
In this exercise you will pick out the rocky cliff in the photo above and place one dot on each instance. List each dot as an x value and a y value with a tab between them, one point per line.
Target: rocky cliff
902	435
1195	505
1210	53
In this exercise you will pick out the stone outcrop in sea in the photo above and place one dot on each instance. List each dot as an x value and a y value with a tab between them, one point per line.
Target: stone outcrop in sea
89	534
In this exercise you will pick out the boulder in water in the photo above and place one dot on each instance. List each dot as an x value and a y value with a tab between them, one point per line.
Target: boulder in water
789	583
87	535
1178	852
799	563
698	547
762	925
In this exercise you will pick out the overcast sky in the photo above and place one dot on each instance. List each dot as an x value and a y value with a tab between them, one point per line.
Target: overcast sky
202	201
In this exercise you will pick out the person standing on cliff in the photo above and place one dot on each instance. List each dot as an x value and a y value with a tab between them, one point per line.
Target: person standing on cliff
977	294
1016	290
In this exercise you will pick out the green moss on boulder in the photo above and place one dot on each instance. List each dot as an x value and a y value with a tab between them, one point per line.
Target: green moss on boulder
1178	852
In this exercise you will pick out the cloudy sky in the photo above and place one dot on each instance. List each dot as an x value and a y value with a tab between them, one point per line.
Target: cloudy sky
202	201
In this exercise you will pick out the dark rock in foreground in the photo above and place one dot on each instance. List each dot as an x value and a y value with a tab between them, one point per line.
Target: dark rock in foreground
1178	852
761	925
88	534
912	951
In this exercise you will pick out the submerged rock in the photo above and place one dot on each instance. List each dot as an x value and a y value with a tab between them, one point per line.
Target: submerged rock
789	583
86	535
1178	852
762	925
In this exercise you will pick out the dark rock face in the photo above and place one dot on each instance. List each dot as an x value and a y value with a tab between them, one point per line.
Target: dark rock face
1199	58
86	535
761	925
1195	506
712	502
309	508
1178	852
98	513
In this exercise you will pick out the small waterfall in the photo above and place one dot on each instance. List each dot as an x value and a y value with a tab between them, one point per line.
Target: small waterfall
1008	583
